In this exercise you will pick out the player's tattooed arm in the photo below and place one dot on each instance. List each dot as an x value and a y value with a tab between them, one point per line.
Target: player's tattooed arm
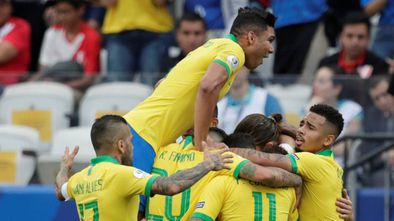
182	180
64	172
264	159
270	176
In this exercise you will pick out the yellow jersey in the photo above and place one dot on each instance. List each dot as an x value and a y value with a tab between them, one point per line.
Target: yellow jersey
177	157
322	184
107	191
169	111
136	14
238	200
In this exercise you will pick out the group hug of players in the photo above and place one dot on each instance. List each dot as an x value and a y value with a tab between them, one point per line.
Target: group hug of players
200	178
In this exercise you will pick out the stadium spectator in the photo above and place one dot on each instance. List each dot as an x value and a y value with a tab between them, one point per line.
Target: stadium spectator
295	29
322	176
211	12
105	182
15	36
354	57
378	118
190	34
245	99
327	89
71	49
186	98
333	19
383	44
132	31
221	197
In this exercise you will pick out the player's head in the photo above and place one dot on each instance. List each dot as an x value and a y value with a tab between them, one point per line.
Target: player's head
240	140
319	128
5	11
111	135
254	30
69	12
190	32
217	134
355	34
264	130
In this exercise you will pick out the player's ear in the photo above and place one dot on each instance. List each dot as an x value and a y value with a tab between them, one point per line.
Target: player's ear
329	140
121	146
251	37
214	122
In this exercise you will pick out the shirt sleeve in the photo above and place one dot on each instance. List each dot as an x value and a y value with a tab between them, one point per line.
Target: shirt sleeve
211	200
19	37
92	62
231	57
308	165
135	181
69	185
236	166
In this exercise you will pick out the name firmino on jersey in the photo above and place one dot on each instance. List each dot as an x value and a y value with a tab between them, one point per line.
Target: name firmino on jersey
177	157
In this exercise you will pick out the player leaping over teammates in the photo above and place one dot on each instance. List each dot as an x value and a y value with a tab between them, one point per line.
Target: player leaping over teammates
192	88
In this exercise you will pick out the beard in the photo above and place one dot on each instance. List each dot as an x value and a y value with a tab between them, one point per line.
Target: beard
126	160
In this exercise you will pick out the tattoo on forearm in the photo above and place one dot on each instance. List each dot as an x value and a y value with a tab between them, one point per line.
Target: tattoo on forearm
282	178
182	180
249	170
265	159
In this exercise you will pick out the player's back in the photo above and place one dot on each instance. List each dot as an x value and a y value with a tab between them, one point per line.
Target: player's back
108	191
322	185
169	111
239	200
169	160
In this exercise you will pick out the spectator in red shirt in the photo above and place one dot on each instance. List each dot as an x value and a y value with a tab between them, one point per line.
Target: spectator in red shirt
68	45
354	57
14	45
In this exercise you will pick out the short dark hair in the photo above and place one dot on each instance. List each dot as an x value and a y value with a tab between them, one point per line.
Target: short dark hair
102	132
375	80
353	18
331	114
263	129
74	3
192	17
241	140
252	18
219	132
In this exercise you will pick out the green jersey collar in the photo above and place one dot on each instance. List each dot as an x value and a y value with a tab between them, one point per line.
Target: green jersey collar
101	159
232	37
326	152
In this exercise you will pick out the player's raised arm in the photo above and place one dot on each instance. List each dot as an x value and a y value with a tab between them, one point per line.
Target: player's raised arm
207	98
65	168
265	159
182	180
270	176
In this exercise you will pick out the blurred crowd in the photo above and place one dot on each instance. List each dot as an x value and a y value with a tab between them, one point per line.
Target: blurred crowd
344	49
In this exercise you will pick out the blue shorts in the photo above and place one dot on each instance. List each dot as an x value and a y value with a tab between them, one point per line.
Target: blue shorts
143	158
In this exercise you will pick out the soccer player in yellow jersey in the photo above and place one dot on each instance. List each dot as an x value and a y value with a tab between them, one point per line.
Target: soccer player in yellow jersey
189	93
322	176
179	157
109	191
226	198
